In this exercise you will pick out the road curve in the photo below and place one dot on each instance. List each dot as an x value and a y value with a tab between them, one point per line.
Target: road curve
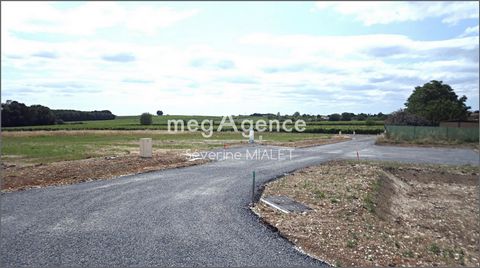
194	216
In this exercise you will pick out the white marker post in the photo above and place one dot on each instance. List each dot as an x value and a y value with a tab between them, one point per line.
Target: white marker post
251	138
146	147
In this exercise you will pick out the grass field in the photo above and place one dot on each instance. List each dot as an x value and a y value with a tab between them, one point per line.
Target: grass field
88	139
33	147
160	123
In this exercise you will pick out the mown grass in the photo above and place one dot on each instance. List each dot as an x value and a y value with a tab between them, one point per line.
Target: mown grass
51	146
429	142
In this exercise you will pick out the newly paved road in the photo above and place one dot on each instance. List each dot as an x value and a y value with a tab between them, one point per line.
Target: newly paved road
195	216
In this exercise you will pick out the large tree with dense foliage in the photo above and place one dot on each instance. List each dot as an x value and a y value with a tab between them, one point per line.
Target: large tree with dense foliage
347	116
335	117
437	102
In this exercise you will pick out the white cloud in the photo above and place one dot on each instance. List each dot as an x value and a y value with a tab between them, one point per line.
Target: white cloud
470	31
318	73
370	13
365	46
42	17
314	74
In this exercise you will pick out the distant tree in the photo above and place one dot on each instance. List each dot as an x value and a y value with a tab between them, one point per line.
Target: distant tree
159	113
437	102
360	117
146	119
18	114
74	115
296	114
347	116
404	118
334	117
41	115
370	122
381	116
14	114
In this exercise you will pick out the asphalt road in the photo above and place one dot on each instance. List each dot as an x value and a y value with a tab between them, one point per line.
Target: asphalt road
194	216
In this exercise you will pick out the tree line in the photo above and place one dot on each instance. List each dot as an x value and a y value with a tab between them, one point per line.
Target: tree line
16	114
346	116
74	115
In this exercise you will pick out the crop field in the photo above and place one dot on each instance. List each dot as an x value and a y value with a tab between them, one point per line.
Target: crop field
160	123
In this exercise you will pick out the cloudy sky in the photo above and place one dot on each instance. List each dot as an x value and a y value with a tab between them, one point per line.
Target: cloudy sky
236	57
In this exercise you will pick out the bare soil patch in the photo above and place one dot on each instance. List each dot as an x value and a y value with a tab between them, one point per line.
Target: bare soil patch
68	172
375	214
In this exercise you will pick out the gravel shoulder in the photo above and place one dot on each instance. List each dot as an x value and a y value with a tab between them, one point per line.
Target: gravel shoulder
381	214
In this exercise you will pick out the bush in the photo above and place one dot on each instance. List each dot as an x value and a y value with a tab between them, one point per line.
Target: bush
146	119
370	122
404	118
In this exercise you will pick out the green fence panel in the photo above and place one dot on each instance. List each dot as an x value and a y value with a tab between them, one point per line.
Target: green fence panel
463	134
437	133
